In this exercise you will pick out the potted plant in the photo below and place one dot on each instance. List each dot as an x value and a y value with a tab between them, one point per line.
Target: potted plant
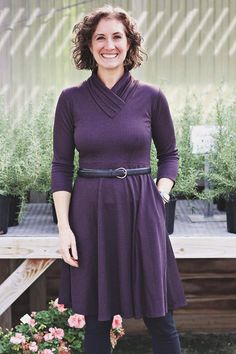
4	199
223	160
41	149
55	330
190	165
15	164
169	207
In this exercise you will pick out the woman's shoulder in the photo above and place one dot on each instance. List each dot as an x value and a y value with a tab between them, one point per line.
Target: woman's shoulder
151	89
70	91
155	94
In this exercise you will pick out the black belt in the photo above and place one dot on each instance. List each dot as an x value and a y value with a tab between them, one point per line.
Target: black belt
119	172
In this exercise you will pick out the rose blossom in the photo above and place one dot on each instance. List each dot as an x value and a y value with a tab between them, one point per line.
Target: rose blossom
48	336
33	347
17	339
117	321
38	337
63	349
47	351
25	347
76	321
60	307
57	333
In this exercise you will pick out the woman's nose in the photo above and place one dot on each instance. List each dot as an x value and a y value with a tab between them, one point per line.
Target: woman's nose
110	44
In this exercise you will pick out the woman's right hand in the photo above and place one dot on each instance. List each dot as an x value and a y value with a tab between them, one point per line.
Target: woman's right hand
66	243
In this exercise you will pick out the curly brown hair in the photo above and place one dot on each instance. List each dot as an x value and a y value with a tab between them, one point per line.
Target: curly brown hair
81	54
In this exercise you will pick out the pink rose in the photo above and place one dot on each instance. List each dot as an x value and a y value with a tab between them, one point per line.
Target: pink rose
76	320
57	332
32	322
48	336
47	351
38	337
33	347
117	321
60	307
63	349
17	339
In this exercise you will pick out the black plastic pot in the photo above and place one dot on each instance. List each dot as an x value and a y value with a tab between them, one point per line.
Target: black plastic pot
170	214
38	197
4	213
14	210
54	214
221	204
231	213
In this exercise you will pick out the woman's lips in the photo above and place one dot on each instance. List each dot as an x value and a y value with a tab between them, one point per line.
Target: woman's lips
109	56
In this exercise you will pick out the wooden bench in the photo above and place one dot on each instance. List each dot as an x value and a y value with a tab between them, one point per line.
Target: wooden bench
36	241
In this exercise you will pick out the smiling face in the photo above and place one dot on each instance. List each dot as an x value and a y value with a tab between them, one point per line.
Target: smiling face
109	44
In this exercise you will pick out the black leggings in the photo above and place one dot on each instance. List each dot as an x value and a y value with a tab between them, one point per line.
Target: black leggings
165	338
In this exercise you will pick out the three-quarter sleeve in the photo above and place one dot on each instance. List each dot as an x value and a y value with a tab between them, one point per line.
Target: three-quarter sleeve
163	135
63	147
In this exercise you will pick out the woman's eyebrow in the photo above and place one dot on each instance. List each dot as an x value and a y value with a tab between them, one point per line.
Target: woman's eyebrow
102	34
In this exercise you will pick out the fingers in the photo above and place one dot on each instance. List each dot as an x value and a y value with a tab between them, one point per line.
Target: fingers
74	251
68	249
68	255
71	260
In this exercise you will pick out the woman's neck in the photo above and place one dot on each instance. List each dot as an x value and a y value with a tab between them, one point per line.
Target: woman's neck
110	77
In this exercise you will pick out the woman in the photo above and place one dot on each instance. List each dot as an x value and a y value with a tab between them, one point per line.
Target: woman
117	256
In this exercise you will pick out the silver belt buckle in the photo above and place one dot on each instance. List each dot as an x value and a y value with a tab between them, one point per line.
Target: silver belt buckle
121	169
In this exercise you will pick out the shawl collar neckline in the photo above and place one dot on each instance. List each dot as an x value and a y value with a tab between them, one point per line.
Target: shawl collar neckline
111	101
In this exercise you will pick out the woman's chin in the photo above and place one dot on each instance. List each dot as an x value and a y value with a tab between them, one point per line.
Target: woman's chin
110	66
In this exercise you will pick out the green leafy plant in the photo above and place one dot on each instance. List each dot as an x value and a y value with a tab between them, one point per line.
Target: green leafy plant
26	149
222	157
56	330
41	148
190	165
15	163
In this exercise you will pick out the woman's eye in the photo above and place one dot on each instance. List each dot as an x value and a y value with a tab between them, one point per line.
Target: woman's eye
98	38
117	37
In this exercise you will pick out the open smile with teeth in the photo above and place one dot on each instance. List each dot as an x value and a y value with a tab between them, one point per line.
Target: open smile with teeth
109	56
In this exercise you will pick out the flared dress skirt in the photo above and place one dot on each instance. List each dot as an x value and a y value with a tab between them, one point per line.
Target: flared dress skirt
126	262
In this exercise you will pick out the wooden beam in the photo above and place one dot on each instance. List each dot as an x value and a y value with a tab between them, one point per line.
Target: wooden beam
200	320
29	247
202	275
213	297
204	246
20	280
183	246
6	317
204	320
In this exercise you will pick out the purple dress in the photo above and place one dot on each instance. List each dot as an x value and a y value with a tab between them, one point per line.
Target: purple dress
127	265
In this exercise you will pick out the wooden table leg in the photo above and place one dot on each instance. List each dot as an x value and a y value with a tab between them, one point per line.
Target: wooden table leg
20	280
